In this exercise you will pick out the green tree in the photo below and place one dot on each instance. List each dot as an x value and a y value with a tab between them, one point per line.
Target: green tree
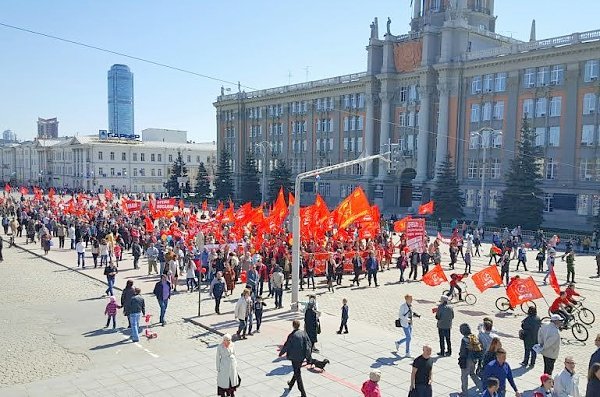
447	196
224	178
249	181
178	170
281	176
521	202
202	187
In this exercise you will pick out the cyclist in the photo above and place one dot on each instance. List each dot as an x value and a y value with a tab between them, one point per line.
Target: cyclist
571	293
455	278
560	305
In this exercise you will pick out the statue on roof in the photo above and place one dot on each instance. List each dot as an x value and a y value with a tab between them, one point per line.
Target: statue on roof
389	24
375	29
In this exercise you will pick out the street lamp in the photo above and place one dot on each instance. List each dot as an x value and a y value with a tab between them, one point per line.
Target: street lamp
492	134
264	146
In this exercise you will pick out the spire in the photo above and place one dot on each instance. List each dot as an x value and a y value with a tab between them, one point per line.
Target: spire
532	34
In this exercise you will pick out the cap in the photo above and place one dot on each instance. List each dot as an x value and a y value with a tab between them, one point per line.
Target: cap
545	377
555	317
375	375
444	298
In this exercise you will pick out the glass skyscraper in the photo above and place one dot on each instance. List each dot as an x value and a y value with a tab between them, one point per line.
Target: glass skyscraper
120	100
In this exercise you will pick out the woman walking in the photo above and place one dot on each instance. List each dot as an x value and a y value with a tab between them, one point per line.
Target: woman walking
126	296
228	379
529	332
312	327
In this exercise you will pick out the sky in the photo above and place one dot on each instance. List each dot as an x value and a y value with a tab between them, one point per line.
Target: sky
259	43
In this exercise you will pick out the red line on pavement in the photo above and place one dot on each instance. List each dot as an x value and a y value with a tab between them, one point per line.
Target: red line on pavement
340	381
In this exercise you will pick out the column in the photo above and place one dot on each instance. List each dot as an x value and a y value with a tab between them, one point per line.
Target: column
441	150
417	9
369	131
423	136
384	136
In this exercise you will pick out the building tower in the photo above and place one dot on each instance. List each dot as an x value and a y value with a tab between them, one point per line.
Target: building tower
120	101
47	128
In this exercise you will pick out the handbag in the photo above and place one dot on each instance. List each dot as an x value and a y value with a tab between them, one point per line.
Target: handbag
521	334
318	327
398	323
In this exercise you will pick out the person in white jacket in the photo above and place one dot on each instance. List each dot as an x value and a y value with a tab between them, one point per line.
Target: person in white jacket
549	341
406	316
228	378
241	312
566	384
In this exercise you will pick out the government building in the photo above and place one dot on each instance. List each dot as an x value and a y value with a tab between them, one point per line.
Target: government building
450	86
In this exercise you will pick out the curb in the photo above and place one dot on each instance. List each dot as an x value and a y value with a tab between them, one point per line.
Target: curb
206	327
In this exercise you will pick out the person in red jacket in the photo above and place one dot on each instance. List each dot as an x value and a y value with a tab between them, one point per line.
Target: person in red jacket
454	280
571	293
370	388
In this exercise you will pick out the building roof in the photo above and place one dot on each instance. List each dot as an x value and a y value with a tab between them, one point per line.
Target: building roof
95	140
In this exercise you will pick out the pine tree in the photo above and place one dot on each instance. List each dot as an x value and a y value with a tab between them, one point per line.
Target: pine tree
447	196
521	202
202	187
224	178
178	170
281	176
249	181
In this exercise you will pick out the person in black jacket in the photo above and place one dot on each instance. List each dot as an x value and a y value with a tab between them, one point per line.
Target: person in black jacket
162	291
297	348
126	296
357	264
529	332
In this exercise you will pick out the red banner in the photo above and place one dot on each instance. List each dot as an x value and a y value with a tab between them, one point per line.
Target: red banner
400	225
415	233
164	204
435	276
554	282
426	208
522	290
487	278
133	205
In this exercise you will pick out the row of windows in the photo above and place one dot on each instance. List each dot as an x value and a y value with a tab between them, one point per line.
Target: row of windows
473	198
544	76
353	123
153	157
584	204
408	119
350	101
590	135
492	169
542	107
549	135
489	83
136	172
483	112
590	103
589	170
409	93
476	141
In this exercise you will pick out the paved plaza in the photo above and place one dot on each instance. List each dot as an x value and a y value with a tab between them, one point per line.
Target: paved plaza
56	344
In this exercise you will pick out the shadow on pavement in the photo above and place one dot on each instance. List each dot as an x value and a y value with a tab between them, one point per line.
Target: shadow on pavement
473	313
386	361
283	370
101	331
92	299
109	345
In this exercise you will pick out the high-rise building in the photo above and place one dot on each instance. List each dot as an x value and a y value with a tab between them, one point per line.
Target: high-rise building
450	86
9	136
47	128
120	101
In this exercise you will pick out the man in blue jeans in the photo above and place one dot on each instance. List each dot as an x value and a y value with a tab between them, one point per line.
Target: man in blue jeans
137	308
372	267
162	291
110	271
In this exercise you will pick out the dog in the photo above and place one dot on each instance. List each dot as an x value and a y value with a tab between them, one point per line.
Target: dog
320	364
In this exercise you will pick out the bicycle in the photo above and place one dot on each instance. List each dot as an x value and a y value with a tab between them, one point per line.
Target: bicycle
469	298
578	330
586	316
503	304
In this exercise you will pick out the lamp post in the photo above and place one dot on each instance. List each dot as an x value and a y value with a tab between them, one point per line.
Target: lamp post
296	216
492	134
264	146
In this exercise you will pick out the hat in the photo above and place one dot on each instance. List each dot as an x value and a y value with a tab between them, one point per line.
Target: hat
444	298
375	375
556	317
545	377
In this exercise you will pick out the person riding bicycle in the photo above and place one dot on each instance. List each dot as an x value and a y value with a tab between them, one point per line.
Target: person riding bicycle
454	280
560	305
571	293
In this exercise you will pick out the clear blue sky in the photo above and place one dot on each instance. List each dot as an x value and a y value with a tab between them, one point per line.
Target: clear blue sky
257	43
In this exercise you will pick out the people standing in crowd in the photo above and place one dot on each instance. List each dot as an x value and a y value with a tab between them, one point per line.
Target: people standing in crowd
530	327
522	257
444	315
595	358
228	379
421	376
162	292
277	279
370	388
372	267
414	261
500	370
152	254
357	264
297	348
110	271
547	387
95	251
80	249
136	251
490	354
344	321
593	381
312	325
259	306
540	258
549	340
137	308
486	334
570	258
550	263
126	295
566	383
406	316
471	351
218	287
241	313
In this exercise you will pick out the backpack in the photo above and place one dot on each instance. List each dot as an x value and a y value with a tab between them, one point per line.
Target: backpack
474	348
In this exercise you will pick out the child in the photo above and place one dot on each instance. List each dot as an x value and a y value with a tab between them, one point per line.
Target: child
111	311
118	252
370	388
454	280
258	311
344	323
190	276
492	385
522	257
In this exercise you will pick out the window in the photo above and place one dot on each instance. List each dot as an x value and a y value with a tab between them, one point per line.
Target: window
529	78
591	70
493	200
488	82
487	111
551	169
412	93
123	156
159	157
589	103
403	94
499	110
152	157
99	155
475	113
476	85
325	189
543	76
142	156
595	204
540	136
112	172
555	106
152	172
586	169
554	136
100	172
540	107
159	172
548	202
500	82
587	135
135	156
495	169
583	204
189	159
528	108
142	172
470	198
473	142
170	158
436	5
135	172
112	156
472	169
557	75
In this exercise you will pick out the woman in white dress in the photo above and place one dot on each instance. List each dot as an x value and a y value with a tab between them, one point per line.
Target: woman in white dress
228	379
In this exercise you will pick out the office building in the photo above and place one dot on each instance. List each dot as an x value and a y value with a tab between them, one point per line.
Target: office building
47	128
120	101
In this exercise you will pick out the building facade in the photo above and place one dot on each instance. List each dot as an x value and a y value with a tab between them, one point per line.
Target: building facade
450	86
120	101
47	128
93	164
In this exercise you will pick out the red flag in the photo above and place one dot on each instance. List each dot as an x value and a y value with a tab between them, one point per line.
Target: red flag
51	193
435	276
37	193
164	204
291	199
280	208
355	206
496	250
426	208
7	188
487	278
228	215
400	225
132	205
522	290
181	204
149	225
204	205
23	190
554	282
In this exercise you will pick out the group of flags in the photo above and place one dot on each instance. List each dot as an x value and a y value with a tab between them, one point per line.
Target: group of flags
424	209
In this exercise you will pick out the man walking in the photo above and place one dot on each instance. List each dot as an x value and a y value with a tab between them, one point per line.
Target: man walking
406	322
277	279
80	248
162	291
500	370
297	348
549	340
566	384
110	271
444	315
422	374
137	308
152	253
372	267
217	288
